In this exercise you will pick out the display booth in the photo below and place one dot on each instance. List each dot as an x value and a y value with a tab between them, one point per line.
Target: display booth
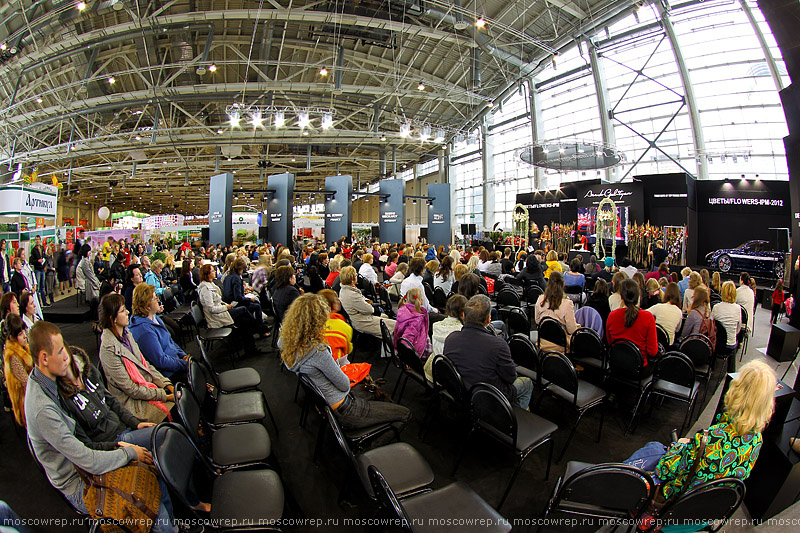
27	210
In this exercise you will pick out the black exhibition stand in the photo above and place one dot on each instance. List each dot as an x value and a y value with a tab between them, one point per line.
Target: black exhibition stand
774	483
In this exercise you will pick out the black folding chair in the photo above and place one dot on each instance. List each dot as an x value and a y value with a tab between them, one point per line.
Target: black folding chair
388	347
450	385
517	321
712	503
744	335
237	497
584	490
564	385
700	351
663	338
411	367
439	299
674	378
526	357
455	502
722	352
626	366
551	330
514	427
587	349
235	380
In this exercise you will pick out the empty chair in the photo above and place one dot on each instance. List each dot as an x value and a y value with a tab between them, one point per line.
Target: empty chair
210	335
584	490
406	471
423	513
411	366
526	357
560	374
626	366
508	297
587	349
674	378
551	330
715	501
744	335
231	446
236	380
447	379
663	337
516	428
225	409
700	351
439	300
517	321
237	497
721	350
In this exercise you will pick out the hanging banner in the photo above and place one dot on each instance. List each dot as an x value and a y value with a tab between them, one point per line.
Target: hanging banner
439	219
393	211
32	200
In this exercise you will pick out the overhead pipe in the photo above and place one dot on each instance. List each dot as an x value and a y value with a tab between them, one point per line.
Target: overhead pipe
475	70
339	69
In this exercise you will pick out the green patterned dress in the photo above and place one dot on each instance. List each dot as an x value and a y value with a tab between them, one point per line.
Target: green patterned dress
728	454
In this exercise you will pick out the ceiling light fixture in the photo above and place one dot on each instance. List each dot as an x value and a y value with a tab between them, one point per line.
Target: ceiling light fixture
439	137
39	100
112	80
323	71
383	137
234	119
220	132
425	133
405	130
3	47
421	86
257	120
480	22
303	119
212	67
280	119
81	6
327	121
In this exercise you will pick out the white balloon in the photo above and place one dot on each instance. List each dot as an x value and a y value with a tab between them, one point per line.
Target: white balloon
103	213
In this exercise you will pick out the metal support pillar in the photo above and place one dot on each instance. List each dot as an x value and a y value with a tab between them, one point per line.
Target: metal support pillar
688	91
488	176
537	131
601	88
773	67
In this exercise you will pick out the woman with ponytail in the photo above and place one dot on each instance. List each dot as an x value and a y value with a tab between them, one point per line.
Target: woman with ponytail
412	323
746	297
634	324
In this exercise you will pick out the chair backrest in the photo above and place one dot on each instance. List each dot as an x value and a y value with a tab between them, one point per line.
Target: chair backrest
492	412
662	336
205	359
745	315
524	352
532	293
551	330
559	370
428	290
166	295
714	501
573	289
625	360
508	297
387	498
174	455
198	381
586	342
517	320
676	367
338	433
439	298
388	341
589	488
408	356
698	348
311	388
722	338
197	314
188	410
446	374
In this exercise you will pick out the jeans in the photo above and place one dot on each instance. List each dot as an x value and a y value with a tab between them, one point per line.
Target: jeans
524	388
39	275
9	519
356	413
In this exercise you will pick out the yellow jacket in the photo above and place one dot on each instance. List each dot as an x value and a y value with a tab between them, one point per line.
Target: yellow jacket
552	266
338	335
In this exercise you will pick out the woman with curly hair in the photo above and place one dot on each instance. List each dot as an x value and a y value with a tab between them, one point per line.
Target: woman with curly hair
305	352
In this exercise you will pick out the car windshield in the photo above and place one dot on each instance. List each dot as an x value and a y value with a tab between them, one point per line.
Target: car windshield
748	245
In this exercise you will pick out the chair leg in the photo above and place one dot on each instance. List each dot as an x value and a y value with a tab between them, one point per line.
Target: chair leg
569	439
320	438
549	459
271	417
386	368
296	391
397	385
403	388
602	417
689	410
461	453
629	431
510	483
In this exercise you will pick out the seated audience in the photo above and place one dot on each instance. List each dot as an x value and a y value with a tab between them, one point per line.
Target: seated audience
431	267
532	273
459	271
628	267
699	318
555	304
606	272
17	364
652	294
635	325
358	308
574	277
716	284
494	268
454	321
481	356
444	277
27	307
694	281
367	271
728	313
304	352
333	274
683	284
615	300
414	279
140	388
234	290
412	323
338	333
152	336
286	291
397	280
153	276
668	313
746	297
553	264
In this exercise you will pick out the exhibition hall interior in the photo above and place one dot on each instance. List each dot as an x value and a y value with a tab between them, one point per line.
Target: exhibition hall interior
399	265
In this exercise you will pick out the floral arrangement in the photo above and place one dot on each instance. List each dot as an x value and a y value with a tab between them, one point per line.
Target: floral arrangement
675	244
641	238
563	235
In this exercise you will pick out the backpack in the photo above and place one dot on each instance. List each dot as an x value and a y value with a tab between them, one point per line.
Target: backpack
709	329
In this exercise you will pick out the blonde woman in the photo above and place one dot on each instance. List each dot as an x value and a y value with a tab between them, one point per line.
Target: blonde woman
733	441
553	265
695	280
305	352
728	313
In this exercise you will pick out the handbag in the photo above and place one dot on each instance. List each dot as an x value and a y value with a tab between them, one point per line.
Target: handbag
125	500
375	387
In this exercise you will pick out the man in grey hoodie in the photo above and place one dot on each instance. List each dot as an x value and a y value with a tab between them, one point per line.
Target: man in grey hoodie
52	431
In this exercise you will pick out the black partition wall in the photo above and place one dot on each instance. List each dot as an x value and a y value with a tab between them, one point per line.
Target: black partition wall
439	217
220	201
338	207
393	211
279	208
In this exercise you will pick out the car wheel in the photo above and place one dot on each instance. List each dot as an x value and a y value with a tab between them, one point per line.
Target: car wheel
779	268
724	263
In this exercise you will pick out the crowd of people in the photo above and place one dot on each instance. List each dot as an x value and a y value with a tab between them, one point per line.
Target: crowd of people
319	297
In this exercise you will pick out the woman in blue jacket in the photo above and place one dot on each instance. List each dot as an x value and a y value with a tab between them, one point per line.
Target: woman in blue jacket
152	336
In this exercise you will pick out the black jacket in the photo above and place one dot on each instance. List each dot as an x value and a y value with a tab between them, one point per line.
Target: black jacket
508	265
100	417
36	255
481	356
283	298
233	288
18	284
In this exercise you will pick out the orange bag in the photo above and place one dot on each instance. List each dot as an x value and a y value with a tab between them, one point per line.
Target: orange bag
356	372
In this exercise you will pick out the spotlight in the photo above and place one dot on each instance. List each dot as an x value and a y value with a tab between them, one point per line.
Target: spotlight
303	120
480	22
425	133
405	130
280	119
212	67
138	138
39	100
490	104
112	80
562	150
234	119
81	6
421	86
3	47
257	121
220	132
305	132
439	137
323	71
327	121
383	137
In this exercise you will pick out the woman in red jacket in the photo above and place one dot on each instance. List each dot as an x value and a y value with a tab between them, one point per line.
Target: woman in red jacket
777	300
634	324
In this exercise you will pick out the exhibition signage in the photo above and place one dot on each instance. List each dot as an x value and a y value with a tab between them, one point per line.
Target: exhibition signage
279	208
338	207
393	211
439	219
30	200
219	209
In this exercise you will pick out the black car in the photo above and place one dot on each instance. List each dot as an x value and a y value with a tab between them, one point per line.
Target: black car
752	256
